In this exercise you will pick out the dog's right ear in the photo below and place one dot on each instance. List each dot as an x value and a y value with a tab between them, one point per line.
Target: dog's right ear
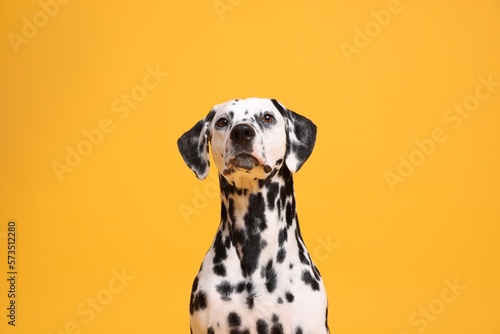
193	146
300	135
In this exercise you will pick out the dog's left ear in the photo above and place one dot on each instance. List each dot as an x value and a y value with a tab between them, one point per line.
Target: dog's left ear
301	137
193	146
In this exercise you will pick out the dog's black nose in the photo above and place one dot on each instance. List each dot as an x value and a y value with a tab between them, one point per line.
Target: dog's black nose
242	133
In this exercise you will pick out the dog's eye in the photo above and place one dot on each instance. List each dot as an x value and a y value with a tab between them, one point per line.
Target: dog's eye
222	123
268	118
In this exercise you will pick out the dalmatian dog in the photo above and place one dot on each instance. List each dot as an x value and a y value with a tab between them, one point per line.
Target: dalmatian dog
257	277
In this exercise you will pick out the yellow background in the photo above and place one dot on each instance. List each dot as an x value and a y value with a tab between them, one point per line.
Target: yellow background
384	253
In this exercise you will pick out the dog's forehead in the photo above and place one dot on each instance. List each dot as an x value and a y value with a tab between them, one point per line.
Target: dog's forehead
241	109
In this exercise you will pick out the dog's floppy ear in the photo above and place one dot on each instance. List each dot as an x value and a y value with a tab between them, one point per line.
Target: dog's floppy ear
301	137
193	145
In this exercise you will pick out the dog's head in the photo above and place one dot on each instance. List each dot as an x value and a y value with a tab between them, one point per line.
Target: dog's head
249	138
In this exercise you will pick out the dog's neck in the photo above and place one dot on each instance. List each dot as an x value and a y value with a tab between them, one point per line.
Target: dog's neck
261	221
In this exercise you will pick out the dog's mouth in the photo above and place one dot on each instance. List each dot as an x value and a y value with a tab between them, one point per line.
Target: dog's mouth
246	162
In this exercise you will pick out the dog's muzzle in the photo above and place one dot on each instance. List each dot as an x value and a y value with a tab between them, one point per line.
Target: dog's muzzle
241	153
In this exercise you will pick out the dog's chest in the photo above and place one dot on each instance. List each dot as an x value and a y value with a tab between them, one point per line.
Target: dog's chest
282	293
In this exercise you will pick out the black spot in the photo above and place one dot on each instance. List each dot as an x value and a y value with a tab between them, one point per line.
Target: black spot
280	300
200	301
303	258
250	238
278	106
234	320
239	236
210	330
282	200
195	284
210	116
272	193
309	280
249	301
226	188
287	175
298	330
227	242
251	250
277	329
289	297
193	290
220	255
271	175
289	214
291	265
239	331
251	294
284	172
257	214
263	225
262	327
282	236
277	326
271	277
280	258
326	318
225	290
230	210
219	269
223	213
240	287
